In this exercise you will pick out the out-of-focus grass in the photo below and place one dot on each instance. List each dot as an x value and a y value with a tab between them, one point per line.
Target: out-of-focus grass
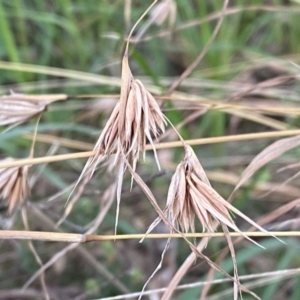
88	36
247	257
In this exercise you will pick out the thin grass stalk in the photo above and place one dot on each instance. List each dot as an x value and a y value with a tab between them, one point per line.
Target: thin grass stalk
108	199
127	13
196	62
84	253
210	104
269	275
215	16
136	23
262	221
60	72
85	238
35	254
204	141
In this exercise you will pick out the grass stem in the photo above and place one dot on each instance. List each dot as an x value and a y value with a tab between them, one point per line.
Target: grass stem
84	238
203	141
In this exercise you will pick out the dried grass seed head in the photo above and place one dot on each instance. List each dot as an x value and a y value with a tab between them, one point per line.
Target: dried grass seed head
14	186
165	9
18	108
191	194
140	117
135	118
182	202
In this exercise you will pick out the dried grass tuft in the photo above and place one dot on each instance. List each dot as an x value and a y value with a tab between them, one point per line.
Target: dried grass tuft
14	186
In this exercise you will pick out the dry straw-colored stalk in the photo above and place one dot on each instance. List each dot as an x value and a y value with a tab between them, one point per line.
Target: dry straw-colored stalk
202	141
180	97
265	278
85	238
217	15
14	185
196	62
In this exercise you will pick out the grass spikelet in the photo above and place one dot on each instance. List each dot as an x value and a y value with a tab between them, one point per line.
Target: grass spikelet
140	118
18	108
14	185
191	194
135	118
163	10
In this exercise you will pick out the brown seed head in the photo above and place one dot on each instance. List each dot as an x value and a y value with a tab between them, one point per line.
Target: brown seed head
191	194
14	185
165	9
135	118
18	108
